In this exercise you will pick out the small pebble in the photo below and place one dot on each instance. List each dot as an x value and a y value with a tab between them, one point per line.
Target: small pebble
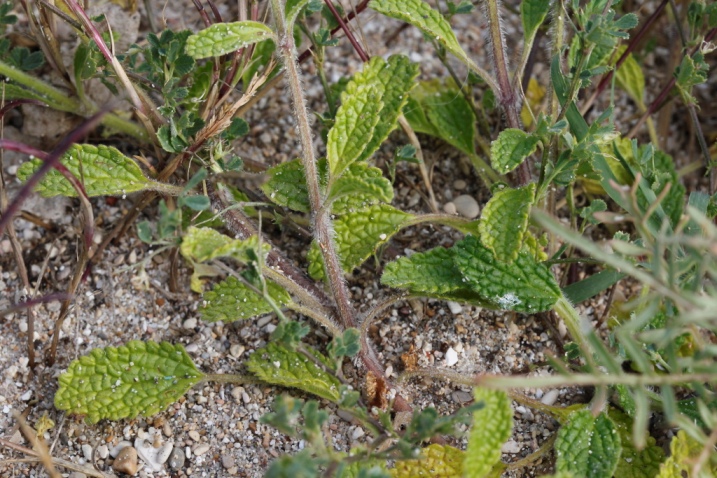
167	430
450	208
245	398
190	323
103	452
87	452
194	435
77	474
461	396
459	184
357	433
467	206
236	350
263	321
550	397
455	307
511	447
176	459
126	461
228	461
237	393
118	448
451	357
201	449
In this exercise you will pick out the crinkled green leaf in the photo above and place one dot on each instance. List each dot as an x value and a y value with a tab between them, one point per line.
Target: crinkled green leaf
439	461
203	244
103	171
492	426
278	365
523	285
533	13
392	80
222	38
433	274
511	148
358	234
232	300
635	463
629	76
286	186
140	378
504	221
353	128
440	109
420	14
588	446
360	186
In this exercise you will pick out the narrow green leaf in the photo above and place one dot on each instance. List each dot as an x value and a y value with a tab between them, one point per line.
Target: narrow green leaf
440	461
222	38
492	427
232	300
353	129
103	171
591	286
392	80
504	221
358	234
278	365
511	148
360	186
432	274
420	14
203	244
533	13
523	285
140	378
635	463
587	446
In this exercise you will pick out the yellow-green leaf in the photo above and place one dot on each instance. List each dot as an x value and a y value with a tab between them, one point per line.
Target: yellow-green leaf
140	378
277	365
630	78
222	38
683	449
232	300
420	14
511	148
504	221
492	426
102	170
203	244
353	128
437	461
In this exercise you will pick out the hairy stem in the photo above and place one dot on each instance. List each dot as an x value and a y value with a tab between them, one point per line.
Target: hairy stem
506	93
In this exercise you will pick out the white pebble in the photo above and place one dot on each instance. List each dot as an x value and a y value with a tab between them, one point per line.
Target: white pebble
467	206
450	208
451	357
26	396
201	449
87	452
455	307
190	323
102	451
550	397
236	350
23	326
511	447
357	433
